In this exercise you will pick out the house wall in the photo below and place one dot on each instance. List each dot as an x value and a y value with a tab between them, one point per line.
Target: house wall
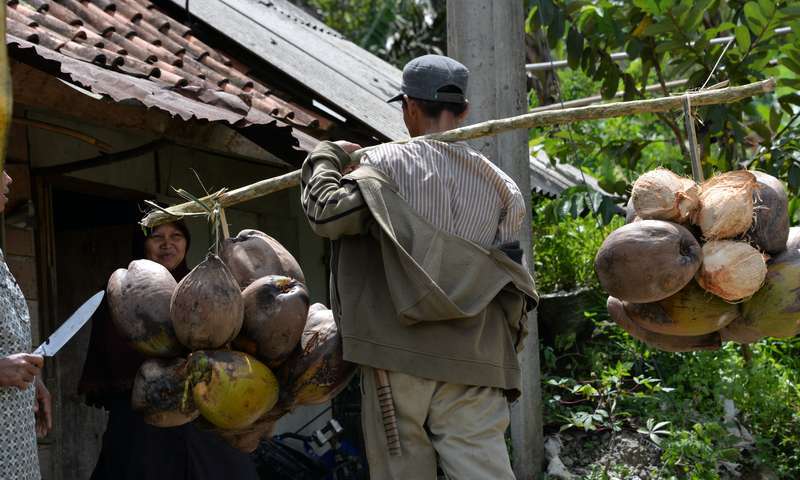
70	451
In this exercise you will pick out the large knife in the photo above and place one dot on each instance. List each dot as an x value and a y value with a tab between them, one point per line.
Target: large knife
68	329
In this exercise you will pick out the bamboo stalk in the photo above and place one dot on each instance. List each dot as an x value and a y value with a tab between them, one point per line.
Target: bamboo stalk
484	129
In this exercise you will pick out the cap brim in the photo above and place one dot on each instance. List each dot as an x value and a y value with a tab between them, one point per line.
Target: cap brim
396	98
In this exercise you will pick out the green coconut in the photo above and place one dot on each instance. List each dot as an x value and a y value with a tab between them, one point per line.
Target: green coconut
774	311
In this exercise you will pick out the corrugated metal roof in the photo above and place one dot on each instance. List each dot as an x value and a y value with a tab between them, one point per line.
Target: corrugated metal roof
336	69
129	49
551	179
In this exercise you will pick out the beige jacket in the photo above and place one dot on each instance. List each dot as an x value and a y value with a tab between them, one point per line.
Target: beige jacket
410	297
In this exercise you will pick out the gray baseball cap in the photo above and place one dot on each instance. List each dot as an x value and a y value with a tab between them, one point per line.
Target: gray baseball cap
425	76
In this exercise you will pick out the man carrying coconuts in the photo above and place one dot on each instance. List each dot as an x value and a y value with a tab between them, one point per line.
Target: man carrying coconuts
427	282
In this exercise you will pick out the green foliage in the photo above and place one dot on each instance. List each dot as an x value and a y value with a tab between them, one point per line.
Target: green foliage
668	40
699	451
612	382
564	246
395	30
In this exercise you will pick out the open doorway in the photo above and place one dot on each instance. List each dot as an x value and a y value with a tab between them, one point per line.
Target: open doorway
93	232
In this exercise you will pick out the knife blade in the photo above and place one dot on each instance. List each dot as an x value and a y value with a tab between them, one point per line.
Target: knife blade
70	327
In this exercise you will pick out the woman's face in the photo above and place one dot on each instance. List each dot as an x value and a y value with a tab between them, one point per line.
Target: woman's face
166	245
5	181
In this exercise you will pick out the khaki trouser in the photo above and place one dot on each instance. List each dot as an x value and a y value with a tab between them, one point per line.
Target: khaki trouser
464	425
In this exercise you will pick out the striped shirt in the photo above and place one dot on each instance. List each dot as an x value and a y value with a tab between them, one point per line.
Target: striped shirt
455	188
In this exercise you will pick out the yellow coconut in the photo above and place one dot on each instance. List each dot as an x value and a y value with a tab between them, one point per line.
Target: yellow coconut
726	209
731	270
668	343
662	195
231	389
692	311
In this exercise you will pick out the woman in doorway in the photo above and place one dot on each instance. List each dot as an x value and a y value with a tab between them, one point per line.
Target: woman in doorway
24	400
131	448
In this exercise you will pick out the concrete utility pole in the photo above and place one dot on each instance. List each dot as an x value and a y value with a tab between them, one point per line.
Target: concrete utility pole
489	38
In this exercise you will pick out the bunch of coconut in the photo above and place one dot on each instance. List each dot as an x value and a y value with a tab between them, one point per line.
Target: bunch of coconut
233	345
696	265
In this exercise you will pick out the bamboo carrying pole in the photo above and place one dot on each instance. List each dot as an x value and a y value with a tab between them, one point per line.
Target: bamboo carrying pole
492	127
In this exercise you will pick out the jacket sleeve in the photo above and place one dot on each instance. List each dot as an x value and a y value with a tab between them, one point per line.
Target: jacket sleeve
333	203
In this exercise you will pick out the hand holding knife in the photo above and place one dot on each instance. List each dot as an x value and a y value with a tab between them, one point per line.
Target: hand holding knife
31	364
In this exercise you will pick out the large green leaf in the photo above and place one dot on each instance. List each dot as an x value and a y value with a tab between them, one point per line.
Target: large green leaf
774	119
742	38
658	28
692	18
611	82
792	64
767	8
752	12
574	48
556	28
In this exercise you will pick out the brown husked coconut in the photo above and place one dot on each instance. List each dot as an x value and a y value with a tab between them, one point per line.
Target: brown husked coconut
207	307
316	372
251	255
692	311
138	298
774	311
275	311
661	195
660	341
731	270
726	209
647	261
159	392
770	229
